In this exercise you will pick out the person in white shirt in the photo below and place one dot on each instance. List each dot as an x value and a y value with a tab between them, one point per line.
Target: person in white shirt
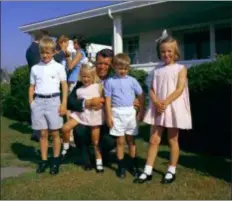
46	107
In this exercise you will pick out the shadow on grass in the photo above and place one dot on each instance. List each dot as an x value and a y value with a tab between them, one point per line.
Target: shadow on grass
209	165
25	153
21	127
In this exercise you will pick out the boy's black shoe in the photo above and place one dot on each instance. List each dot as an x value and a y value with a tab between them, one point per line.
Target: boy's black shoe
121	173
88	167
42	167
54	168
134	171
168	181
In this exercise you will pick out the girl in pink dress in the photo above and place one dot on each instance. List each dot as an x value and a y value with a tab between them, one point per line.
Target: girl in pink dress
169	107
93	118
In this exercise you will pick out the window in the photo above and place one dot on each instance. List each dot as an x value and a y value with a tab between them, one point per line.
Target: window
223	39
197	45
131	47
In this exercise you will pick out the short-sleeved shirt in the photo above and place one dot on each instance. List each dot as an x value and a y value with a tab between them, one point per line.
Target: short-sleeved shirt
122	90
47	77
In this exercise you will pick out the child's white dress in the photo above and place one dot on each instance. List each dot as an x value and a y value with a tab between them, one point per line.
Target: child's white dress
88	117
178	113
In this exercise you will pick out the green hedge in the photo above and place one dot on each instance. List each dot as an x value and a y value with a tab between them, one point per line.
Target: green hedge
210	98
210	74
4	93
16	103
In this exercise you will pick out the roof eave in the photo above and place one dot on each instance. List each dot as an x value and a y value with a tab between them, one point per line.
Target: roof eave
117	8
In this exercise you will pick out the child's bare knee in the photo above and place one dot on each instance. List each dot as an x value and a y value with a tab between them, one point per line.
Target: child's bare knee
173	141
95	143
155	141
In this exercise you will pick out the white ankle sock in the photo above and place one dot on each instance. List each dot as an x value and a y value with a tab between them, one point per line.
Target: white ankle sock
147	170
99	164
66	145
171	169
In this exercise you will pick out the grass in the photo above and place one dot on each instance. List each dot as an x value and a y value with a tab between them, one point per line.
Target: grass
198	177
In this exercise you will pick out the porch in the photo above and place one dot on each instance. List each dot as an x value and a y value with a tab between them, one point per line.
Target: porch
203	28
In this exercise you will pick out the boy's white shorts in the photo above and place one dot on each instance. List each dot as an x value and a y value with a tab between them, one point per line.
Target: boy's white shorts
124	121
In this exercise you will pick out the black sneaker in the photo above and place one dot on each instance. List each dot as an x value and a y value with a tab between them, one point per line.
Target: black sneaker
42	167
88	167
55	164
121	173
134	171
54	169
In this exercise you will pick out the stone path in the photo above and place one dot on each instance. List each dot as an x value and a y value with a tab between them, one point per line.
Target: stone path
13	171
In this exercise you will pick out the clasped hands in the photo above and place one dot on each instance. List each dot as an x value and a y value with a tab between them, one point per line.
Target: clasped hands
161	106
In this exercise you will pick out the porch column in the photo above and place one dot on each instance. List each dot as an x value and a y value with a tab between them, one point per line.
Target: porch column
117	35
212	41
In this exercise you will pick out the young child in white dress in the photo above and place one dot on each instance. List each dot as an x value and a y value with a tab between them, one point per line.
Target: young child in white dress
169	107
93	118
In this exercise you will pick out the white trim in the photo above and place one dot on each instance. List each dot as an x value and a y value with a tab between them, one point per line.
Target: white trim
212	41
116	8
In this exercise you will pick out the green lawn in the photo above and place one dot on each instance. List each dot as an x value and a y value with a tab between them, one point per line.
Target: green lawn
198	177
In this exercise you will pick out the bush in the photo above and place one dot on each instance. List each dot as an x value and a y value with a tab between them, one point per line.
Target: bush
210	98
4	93
16	104
207	75
141	76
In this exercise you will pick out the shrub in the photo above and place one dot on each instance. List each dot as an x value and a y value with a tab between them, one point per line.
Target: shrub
141	76
16	104
4	93
211	74
210	98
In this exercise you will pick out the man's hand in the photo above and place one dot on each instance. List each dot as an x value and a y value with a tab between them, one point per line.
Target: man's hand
94	103
110	122
62	110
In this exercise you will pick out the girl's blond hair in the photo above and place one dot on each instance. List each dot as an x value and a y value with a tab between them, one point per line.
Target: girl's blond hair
172	40
90	68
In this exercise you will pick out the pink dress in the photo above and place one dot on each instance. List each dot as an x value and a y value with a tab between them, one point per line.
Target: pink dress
178	113
88	117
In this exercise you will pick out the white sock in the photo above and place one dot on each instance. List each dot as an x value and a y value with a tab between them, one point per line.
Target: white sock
147	170
65	148
66	145
171	169
99	164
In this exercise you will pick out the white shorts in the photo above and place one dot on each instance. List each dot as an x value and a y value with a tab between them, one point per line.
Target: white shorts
124	121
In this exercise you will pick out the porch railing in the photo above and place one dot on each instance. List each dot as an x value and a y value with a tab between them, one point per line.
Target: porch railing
149	67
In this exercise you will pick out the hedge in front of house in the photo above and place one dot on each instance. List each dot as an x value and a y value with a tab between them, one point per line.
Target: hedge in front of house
16	103
4	93
210	98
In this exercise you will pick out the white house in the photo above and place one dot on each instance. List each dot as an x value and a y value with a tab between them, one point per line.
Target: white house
204	28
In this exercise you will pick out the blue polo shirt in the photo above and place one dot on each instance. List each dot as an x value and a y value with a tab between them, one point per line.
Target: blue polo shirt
122	90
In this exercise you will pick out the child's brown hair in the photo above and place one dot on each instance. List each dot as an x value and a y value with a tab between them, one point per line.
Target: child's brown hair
169	39
122	59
